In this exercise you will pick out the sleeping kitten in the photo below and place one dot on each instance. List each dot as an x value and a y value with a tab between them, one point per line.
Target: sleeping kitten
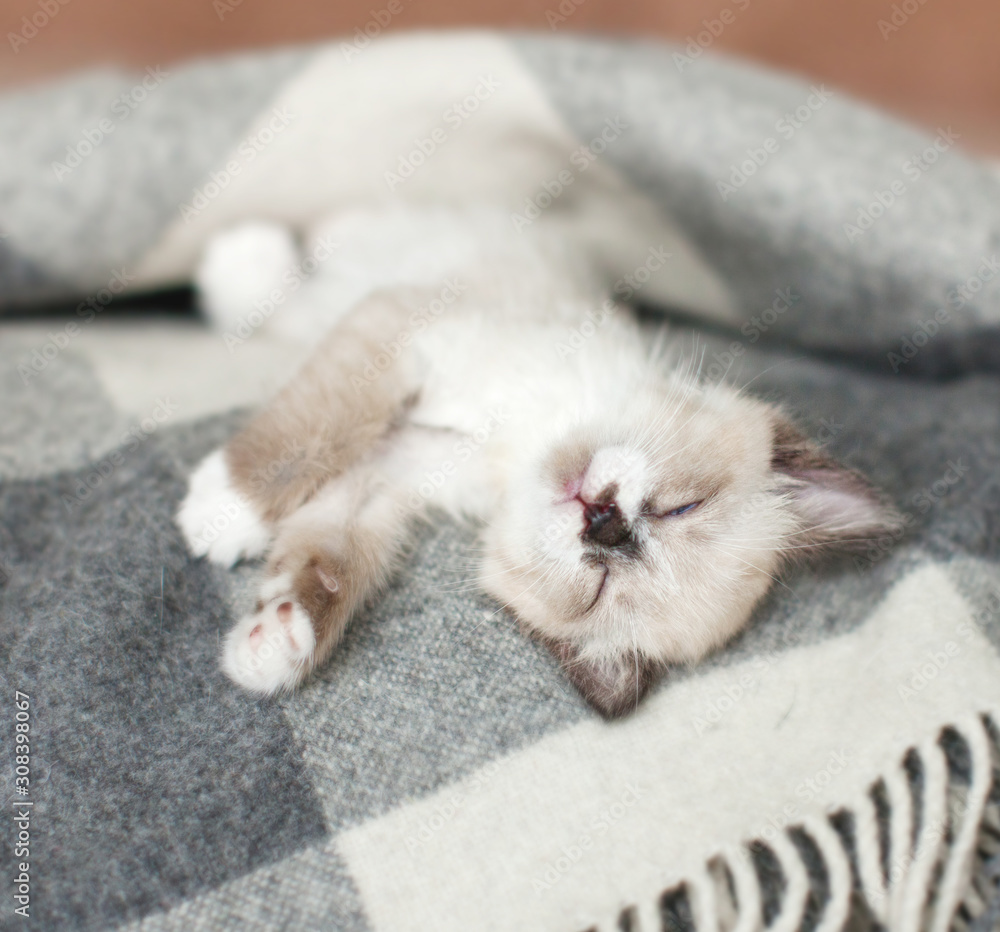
632	515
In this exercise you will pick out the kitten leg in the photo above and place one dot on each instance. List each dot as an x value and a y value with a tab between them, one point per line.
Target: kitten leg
216	521
330	557
330	415
326	419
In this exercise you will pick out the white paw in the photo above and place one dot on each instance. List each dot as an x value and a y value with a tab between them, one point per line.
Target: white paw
240	268
216	520
270	651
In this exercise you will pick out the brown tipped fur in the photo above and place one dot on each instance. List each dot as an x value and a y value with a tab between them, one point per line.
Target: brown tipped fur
329	416
613	686
333	576
797	457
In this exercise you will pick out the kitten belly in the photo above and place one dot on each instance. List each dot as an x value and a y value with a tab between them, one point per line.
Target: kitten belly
483	373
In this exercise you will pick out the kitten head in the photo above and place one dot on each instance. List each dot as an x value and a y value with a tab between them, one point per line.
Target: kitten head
630	544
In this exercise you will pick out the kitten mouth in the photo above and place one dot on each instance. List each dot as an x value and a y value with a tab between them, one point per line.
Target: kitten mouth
600	588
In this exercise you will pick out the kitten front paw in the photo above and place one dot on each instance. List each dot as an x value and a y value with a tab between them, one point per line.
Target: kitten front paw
271	650
216	520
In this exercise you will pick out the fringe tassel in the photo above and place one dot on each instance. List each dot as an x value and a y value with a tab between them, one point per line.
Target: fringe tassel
701	892
915	874
750	913
838	872
897	784
869	858
959	864
931	823
647	917
796	884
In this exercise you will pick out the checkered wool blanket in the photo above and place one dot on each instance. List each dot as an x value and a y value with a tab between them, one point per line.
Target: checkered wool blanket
837	763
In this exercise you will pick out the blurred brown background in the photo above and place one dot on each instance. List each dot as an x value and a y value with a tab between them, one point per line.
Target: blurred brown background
938	66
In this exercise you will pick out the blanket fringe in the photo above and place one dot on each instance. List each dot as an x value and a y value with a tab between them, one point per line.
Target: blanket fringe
959	863
701	891
868	851
838	870
897	785
920	852
747	891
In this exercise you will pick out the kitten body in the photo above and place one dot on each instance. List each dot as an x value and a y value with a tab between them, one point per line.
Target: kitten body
632	515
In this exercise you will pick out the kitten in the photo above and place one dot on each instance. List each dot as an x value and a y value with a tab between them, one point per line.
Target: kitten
632	515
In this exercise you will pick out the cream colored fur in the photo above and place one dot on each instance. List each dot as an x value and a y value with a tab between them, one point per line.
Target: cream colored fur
632	515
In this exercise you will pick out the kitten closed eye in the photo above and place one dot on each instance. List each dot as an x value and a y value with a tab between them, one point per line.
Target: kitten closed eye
675	512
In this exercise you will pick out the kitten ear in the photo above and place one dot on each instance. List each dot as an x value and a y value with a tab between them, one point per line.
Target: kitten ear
612	685
836	505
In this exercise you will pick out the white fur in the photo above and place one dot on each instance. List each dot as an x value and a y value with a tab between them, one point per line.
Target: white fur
537	399
241	267
269	651
216	521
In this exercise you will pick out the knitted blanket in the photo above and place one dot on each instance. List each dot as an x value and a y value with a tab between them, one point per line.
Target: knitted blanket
836	763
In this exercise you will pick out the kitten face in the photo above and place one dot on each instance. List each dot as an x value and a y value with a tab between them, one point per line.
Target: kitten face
625	546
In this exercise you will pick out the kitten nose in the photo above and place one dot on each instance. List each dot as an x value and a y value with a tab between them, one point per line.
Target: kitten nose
605	524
